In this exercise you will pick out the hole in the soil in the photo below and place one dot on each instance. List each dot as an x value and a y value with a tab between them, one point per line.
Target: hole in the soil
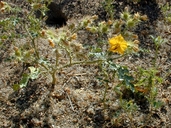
55	15
98	118
139	98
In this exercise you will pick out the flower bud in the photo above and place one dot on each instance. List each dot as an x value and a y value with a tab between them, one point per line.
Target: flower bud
109	22
95	17
136	42
104	29
144	17
17	51
92	29
103	23
134	36
137	16
77	46
125	15
131	23
66	43
15	48
4	7
74	36
1	4
51	43
2	10
118	24
126	9
136	49
88	28
43	33
85	22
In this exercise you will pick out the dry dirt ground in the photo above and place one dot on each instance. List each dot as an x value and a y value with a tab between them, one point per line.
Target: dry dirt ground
76	100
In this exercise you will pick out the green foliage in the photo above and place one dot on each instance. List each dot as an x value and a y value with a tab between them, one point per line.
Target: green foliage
166	12
124	75
107	4
34	73
158	41
129	107
147	82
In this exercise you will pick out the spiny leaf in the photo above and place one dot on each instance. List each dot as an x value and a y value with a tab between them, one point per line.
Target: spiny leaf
34	73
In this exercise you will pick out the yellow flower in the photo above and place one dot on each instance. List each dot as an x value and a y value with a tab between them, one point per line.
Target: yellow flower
118	44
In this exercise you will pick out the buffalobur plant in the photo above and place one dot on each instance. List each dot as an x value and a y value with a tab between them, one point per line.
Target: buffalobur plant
107	4
147	81
158	41
115	40
19	26
64	42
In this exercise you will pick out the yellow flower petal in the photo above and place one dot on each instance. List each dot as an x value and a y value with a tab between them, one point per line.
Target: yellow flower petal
118	44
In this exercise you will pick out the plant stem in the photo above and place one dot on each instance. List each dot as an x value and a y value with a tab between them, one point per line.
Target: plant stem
33	42
104	95
53	74
80	62
57	57
34	46
156	55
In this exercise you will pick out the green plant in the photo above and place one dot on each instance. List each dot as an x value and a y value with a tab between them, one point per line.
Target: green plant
146	83
125	113
124	44
158	41
66	51
166	12
22	30
34	73
63	42
129	108
108	6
